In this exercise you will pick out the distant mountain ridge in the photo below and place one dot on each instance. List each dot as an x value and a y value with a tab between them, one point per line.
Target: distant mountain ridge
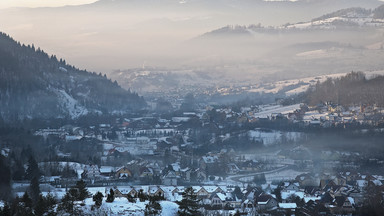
35	85
341	19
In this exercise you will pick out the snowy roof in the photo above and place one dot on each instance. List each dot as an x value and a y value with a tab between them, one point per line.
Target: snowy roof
176	167
106	169
168	189
154	189
221	196
287	205
361	183
210	189
287	194
351	200
171	174
125	190
377	182
180	119
196	188
263	199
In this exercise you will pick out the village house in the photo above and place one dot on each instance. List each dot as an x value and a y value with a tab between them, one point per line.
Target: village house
124	191
107	171
343	204
145	172
123	172
247	204
170	178
91	172
201	192
266	202
156	191
207	163
218	199
287	207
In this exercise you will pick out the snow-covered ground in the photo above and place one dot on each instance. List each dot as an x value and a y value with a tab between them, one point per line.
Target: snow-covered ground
79	168
273	136
133	147
68	103
302	84
121	206
267	111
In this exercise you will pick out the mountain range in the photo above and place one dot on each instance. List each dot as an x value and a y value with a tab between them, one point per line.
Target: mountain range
346	40
118	34
355	18
35	85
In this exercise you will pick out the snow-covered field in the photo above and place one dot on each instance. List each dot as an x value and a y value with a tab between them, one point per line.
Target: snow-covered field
302	84
267	111
121	206
274	136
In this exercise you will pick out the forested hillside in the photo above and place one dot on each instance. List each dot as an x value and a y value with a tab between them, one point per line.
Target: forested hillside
35	85
354	88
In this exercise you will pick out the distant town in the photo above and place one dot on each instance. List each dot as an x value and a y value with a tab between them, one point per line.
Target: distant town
233	164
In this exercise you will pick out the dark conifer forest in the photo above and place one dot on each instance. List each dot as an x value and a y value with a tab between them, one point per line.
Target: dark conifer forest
36	85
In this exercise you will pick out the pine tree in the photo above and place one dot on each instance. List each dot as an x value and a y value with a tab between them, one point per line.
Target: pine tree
98	199
83	191
33	169
5	180
19	207
41	206
153	207
110	196
5	211
189	206
18	170
142	197
67	203
26	200
74	192
237	192
34	189
45	205
277	192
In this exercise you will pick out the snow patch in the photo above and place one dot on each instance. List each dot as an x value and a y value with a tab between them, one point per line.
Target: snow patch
69	104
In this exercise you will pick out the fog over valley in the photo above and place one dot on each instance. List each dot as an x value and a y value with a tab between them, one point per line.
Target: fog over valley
192	107
123	34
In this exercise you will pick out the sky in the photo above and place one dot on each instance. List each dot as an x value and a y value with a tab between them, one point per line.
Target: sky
41	3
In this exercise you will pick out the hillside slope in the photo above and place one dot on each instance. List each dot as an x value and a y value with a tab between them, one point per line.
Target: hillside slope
352	89
35	85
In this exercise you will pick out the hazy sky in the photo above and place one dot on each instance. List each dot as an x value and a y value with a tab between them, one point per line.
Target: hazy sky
41	3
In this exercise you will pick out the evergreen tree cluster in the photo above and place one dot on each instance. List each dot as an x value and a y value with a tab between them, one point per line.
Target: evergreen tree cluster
153	208
33	84
352	89
189	205
77	193
45	205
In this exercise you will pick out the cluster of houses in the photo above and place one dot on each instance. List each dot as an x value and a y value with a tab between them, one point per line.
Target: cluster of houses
154	135
155	140
322	115
337	194
331	115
